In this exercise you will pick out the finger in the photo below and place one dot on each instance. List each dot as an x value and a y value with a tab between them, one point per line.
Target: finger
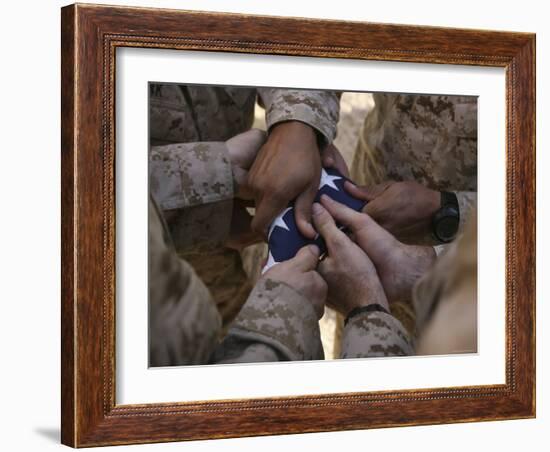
332	158
302	211
328	161
344	215
306	259
375	209
325	267
366	193
369	235
325	225
268	208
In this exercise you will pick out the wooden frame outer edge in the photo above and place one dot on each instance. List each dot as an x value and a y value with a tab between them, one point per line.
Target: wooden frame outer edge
89	414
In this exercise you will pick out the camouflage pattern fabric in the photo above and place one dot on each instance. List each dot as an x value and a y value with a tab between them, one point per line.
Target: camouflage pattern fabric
185	113
193	185
429	139
276	324
191	114
184	323
319	109
279	324
446	299
375	334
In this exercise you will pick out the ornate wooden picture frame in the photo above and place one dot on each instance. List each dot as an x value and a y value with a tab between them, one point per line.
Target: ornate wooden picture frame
90	37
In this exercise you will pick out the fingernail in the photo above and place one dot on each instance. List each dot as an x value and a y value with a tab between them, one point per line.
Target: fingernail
314	249
326	198
316	208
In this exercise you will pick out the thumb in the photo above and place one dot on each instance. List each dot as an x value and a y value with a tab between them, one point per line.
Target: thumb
306	259
366	193
325	225
302	211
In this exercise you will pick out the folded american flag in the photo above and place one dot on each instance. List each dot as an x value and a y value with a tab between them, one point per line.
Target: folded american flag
284	240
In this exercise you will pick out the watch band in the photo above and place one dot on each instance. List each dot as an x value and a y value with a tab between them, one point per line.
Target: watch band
374	307
449	208
448	198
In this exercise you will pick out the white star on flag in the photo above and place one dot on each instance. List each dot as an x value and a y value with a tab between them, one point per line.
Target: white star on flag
279	222
327	179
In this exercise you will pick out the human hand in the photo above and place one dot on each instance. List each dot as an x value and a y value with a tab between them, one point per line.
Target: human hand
242	150
299	273
399	266
287	167
404	208
350	274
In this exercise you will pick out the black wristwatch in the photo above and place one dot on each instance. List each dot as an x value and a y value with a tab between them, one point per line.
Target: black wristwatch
446	220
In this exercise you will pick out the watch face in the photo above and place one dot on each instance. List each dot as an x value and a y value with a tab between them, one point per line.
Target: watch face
446	227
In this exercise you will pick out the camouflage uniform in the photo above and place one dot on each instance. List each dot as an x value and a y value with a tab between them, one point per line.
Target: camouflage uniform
428	139
193	114
446	298
194	182
278	324
184	323
445	302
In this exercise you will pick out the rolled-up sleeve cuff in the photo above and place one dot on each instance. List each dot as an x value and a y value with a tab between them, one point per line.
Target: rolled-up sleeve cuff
190	174
194	183
467	200
375	334
278	316
439	249
318	109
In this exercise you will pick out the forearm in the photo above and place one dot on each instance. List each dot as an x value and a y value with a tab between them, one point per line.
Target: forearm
275	324
193	185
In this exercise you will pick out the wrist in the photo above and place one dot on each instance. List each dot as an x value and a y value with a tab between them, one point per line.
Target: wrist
446	220
297	129
373	307
368	297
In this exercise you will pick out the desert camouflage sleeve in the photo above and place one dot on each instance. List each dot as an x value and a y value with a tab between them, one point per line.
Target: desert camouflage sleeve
275	324
184	323
193	186
467	204
375	334
445	298
319	109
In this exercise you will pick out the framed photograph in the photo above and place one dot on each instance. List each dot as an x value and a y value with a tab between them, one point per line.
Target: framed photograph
281	225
